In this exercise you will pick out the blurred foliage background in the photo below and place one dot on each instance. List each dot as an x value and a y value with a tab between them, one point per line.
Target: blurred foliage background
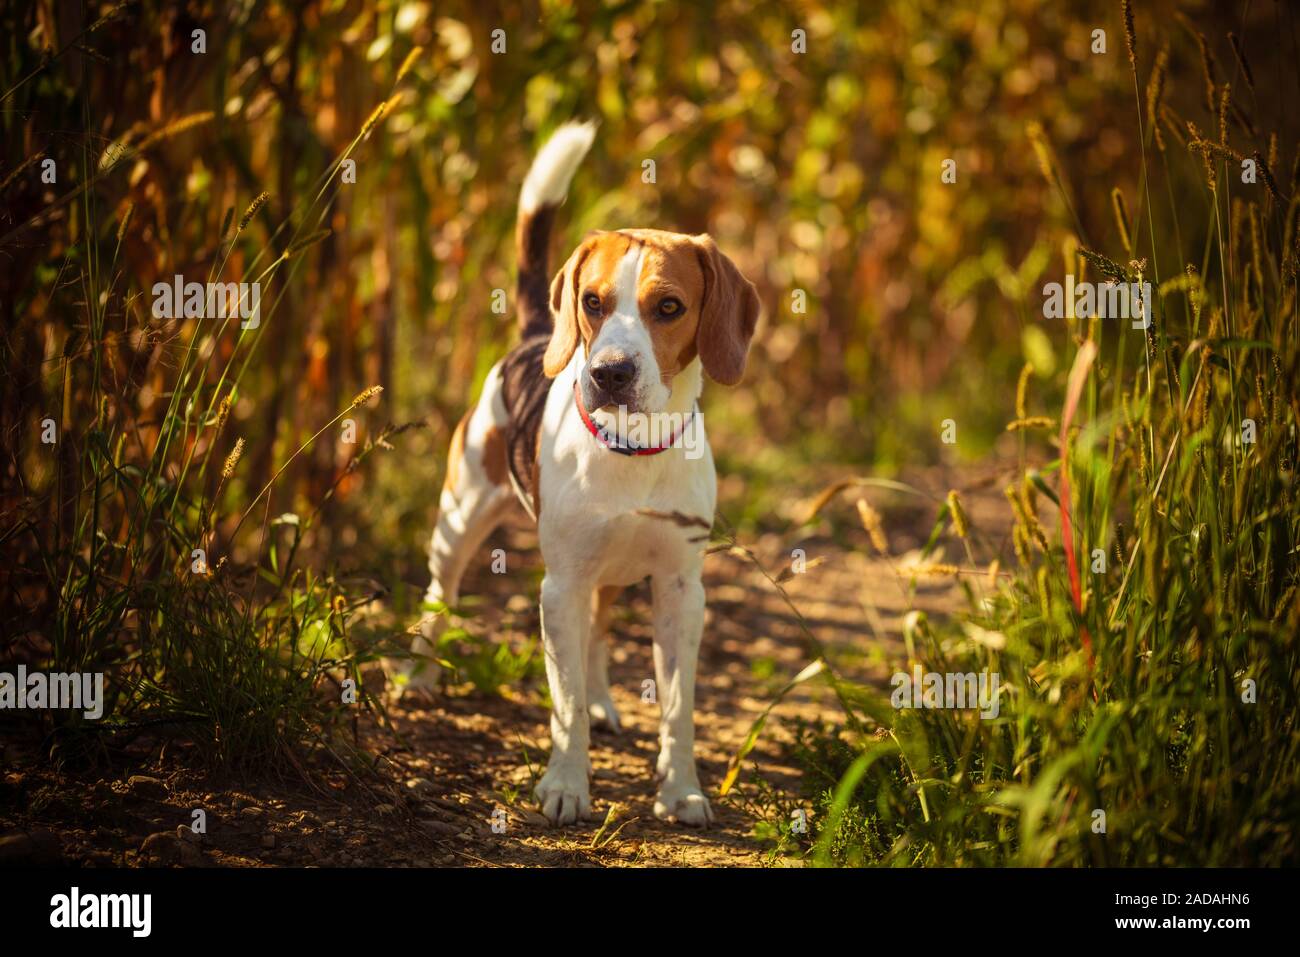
816	171
819	172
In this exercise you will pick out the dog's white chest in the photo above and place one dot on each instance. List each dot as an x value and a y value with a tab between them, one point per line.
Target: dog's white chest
615	519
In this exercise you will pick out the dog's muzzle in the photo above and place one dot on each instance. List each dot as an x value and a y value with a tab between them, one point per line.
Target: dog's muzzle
610	380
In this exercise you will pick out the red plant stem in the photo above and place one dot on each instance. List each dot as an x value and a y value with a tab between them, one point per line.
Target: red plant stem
1078	375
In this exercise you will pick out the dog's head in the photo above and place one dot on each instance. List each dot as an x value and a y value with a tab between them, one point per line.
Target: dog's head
644	304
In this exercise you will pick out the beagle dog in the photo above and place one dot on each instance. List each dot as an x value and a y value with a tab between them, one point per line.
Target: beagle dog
591	425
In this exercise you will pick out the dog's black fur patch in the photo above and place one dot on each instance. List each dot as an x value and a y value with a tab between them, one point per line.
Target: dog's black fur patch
524	388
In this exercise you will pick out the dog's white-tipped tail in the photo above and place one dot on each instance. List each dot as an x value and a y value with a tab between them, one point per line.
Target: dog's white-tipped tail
544	189
548	178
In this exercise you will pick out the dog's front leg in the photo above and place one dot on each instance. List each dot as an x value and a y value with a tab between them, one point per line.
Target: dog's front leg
563	791
679	624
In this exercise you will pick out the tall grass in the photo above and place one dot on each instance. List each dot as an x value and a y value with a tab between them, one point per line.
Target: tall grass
124	556
1147	641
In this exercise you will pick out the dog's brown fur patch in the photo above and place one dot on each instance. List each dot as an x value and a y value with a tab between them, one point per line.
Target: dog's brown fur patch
494	456
671	270
456	451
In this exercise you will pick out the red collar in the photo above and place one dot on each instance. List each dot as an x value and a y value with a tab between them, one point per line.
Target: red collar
609	443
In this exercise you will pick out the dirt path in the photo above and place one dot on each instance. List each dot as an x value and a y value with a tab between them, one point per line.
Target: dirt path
485	753
454	774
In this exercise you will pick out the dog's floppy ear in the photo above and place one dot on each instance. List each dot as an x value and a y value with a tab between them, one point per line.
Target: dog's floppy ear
727	317
564	312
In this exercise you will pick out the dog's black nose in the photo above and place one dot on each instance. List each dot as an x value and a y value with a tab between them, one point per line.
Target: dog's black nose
613	376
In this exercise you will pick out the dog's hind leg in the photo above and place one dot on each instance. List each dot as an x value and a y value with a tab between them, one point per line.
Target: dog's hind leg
599	704
476	496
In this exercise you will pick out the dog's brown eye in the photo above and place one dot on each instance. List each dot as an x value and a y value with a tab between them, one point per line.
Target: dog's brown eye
670	308
591	302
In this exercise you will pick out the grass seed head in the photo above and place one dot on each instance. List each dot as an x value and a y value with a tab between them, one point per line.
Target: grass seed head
1031	422
960	521
1240	54
367	395
408	63
1267	173
873	525
223	411
176	128
232	459
1156	94
1022	390
1225	103
253	207
1130	35
1208	68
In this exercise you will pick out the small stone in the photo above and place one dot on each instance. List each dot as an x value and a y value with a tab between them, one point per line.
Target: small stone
165	848
526	816
142	785
439	828
268	841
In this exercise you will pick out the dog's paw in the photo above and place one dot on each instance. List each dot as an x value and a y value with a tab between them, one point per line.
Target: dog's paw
683	804
564	795
604	715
